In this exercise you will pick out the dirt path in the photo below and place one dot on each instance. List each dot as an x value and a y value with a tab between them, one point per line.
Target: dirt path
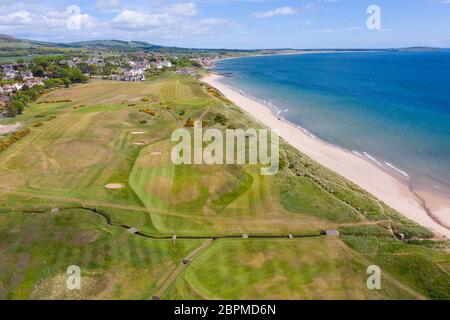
175	116
180	268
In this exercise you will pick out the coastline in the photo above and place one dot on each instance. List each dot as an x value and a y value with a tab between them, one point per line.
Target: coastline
424	208
289	53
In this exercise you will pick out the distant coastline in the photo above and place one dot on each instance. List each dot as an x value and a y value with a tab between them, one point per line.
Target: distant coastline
424	208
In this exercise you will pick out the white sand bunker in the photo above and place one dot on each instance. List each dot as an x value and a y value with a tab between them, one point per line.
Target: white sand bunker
137	132
4	129
156	153
139	143
114	186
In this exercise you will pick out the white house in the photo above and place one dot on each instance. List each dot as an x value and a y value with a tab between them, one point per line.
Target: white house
10	74
26	75
8	88
164	64
18	86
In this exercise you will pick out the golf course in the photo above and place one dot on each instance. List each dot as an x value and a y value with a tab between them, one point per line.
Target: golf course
87	179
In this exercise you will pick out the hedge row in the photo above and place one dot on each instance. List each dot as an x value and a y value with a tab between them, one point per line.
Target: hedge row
13	138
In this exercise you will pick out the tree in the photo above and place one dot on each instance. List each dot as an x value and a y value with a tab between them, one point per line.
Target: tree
38	71
76	76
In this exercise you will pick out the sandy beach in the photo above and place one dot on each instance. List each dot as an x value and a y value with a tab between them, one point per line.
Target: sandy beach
368	176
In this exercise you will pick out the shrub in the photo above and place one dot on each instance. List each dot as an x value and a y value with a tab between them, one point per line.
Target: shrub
189	123
148	111
220	118
16	136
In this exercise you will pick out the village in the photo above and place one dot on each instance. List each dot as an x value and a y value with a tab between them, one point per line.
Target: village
48	72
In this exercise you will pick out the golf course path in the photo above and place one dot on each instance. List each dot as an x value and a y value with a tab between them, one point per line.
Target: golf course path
183	265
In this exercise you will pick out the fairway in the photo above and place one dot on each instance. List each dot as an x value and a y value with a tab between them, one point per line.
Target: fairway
97	164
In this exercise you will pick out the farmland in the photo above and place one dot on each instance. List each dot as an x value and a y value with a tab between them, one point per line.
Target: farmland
88	136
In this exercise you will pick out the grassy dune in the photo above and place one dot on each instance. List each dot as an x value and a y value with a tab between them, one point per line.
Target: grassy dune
87	136
315	268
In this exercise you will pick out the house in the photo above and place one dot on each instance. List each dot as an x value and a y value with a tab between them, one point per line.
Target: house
10	74
116	77
70	63
17	86
8	88
96	61
188	71
134	75
33	82
26	75
166	64
163	64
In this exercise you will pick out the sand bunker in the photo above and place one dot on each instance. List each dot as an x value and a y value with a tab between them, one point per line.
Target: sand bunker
4	129
137	132
156	153
114	186
139	143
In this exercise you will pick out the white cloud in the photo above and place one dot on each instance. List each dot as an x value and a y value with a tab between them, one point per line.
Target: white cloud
156	23
182	9
283	11
130	19
108	4
22	17
53	22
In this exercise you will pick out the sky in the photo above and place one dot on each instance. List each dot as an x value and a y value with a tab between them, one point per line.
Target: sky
240	24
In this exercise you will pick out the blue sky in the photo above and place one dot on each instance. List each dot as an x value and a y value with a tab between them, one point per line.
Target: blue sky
232	23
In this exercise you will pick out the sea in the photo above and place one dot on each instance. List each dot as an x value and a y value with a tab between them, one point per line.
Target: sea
391	108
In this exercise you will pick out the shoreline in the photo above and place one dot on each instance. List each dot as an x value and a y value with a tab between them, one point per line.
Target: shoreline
289	53
424	208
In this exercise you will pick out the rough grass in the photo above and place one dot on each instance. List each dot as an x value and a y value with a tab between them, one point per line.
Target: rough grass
418	266
37	248
319	268
69	159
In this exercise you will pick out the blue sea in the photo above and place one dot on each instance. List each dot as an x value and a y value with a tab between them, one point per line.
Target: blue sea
392	108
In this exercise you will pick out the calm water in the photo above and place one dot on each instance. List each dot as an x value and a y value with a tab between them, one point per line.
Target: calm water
392	108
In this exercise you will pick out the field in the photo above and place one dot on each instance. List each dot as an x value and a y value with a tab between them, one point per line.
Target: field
89	136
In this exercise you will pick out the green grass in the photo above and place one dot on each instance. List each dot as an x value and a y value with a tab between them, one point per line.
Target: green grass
37	248
68	161
314	268
424	269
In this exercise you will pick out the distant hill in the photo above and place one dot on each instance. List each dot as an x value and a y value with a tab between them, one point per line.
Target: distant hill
10	43
112	45
11	46
421	49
